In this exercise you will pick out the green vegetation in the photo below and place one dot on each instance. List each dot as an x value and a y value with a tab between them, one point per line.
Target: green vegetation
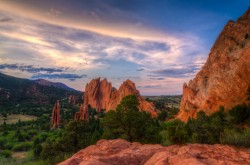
129	123
33	142
168	105
220	127
23	96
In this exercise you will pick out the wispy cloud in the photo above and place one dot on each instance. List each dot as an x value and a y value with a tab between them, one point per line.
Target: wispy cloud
139	70
71	77
31	68
178	71
150	86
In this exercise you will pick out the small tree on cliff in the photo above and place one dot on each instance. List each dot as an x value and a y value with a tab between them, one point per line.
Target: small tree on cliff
129	123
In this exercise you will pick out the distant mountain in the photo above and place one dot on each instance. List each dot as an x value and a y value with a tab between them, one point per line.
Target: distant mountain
17	91
54	84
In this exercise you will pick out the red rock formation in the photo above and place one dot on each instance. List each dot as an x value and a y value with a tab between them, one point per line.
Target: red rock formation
225	77
77	116
72	99
100	94
97	94
55	120
83	114
121	152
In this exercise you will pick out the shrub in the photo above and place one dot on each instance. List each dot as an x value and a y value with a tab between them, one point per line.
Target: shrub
233	137
239	114
25	146
9	145
6	153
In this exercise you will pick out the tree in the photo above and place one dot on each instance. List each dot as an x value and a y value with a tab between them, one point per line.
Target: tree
176	132
129	123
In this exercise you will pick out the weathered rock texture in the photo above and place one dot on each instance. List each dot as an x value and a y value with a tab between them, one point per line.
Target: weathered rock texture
100	94
55	120
121	152
225	77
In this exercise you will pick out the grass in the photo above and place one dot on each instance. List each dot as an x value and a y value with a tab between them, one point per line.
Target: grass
14	118
19	155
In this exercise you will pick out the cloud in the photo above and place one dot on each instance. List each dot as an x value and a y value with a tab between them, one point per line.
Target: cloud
149	86
91	44
160	78
30	68
5	19
179	71
71	77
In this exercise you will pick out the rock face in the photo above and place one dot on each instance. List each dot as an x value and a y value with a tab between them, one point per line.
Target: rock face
225	77
55	120
121	152
100	94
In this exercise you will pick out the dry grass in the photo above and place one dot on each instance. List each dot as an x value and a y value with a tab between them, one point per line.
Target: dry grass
14	118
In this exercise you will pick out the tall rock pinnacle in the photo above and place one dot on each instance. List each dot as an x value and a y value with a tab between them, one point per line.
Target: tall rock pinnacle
55	120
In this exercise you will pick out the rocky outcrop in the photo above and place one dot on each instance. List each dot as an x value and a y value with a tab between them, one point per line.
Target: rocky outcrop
225	77
100	94
55	120
83	114
121	152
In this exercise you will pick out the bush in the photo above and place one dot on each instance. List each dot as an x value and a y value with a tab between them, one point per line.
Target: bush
9	145
233	137
176	132
239	114
6	153
25	146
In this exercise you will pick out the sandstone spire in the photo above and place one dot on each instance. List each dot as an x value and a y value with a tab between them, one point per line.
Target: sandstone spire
55	121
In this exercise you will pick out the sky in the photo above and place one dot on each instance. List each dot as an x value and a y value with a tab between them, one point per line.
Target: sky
158	44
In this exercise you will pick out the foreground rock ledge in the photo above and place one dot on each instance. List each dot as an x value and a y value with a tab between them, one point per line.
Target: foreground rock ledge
121	152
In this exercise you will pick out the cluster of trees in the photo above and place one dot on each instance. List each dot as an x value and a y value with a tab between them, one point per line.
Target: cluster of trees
220	127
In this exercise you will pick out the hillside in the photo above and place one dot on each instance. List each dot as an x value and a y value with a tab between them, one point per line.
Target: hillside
27	96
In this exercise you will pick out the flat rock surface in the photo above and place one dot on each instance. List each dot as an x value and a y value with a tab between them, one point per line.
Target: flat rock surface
121	152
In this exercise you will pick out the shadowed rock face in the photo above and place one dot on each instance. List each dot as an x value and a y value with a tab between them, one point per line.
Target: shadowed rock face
55	120
121	152
100	94
225	77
